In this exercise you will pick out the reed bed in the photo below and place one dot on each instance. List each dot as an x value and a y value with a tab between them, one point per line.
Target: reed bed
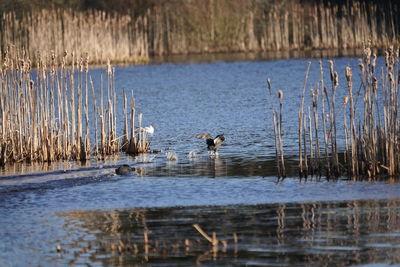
370	129
146	28
104	35
45	116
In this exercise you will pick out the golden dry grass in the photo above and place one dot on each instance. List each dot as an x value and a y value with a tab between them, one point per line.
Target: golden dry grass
372	141
44	112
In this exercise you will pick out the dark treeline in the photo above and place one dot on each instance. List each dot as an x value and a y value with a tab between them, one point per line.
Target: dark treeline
121	6
126	30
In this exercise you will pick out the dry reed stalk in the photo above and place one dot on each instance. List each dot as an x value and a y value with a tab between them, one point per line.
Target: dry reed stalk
102	121
275	128
346	131
374	148
310	137
372	144
96	147
335	83
315	94
280	172
133	135
353	133
324	117
87	148
115	144
73	109
280	139
78	141
138	142
125	140
42	119
305	145
301	116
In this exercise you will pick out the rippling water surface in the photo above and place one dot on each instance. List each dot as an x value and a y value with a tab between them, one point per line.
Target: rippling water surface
95	217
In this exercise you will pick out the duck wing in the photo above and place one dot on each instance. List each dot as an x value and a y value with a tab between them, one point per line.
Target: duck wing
204	136
219	139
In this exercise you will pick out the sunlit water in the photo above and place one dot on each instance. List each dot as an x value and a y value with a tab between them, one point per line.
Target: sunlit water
97	217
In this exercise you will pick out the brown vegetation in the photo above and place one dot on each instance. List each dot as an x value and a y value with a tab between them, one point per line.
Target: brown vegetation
103	35
133	29
45	116
372	143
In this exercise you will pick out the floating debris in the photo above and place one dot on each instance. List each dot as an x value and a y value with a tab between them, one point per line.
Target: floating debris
171	156
193	154
145	158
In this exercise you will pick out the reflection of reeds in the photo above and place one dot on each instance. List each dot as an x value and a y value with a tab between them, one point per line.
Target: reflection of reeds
45	113
150	236
213	240
372	144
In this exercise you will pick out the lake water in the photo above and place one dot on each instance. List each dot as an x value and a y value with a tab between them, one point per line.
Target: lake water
97	218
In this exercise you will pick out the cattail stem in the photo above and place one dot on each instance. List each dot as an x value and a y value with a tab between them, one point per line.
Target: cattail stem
43	120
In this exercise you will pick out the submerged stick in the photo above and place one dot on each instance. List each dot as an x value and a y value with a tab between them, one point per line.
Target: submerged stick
213	240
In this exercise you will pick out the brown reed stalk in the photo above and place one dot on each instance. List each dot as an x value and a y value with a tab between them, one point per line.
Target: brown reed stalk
87	148
41	121
306	167
280	172
275	128
125	140
102	121
66	149
346	131
138	142
280	139
371	139
96	146
301	116
335	83
73	109
314	95
132	142
326	133
133	135
115	144
60	105
310	138
79	148
353	133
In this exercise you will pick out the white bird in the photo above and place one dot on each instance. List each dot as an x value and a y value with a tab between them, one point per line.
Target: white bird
149	129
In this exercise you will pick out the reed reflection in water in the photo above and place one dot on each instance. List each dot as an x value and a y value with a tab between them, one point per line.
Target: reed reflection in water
320	233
